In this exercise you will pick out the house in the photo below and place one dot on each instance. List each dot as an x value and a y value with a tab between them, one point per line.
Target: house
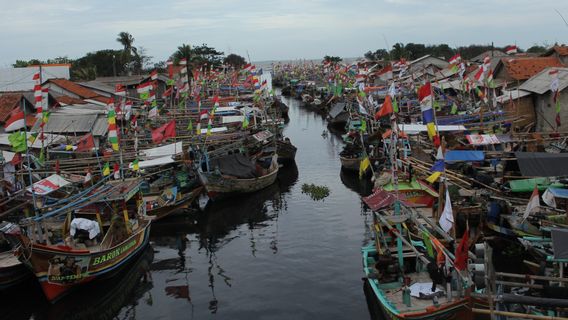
518	103
489	53
542	98
130	82
428	64
73	90
21	79
559	52
519	69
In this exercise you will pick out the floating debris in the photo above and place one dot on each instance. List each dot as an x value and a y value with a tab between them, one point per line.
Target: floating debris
316	192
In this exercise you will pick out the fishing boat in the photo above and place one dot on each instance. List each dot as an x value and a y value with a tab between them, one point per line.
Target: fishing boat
12	270
405	282
237	174
88	239
415	191
170	201
286	150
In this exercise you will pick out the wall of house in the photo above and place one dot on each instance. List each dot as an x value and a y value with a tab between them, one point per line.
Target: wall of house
546	112
523	107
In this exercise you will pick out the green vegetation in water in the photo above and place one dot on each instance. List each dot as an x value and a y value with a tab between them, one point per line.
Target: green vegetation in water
316	192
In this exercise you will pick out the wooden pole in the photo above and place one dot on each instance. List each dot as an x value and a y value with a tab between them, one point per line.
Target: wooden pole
516	314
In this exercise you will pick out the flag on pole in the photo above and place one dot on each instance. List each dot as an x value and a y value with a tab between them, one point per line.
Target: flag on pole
116	171
386	108
167	130
16	121
112	132
363	166
106	169
154	75
512	49
462	252
135	165
447	218
534	203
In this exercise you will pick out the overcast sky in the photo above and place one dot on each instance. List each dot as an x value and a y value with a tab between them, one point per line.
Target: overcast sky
269	29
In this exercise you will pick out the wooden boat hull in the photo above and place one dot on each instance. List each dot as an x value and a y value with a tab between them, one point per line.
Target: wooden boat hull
286	151
219	186
350	164
183	203
12	271
89	266
455	310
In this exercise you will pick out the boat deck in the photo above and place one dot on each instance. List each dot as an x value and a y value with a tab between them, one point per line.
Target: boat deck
417	305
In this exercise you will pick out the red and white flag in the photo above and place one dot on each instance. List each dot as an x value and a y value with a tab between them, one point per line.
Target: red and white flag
533	204
154	75
512	49
16	121
455	59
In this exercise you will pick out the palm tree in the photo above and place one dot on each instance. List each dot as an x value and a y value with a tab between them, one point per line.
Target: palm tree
129	51
185	52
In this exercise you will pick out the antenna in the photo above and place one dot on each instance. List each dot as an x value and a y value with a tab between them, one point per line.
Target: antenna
560	14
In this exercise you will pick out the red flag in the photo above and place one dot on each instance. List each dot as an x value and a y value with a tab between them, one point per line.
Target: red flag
57	169
168	130
425	92
170	64
462	252
86	143
386	109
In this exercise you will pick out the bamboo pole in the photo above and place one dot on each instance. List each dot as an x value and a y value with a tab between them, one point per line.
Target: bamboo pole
516	314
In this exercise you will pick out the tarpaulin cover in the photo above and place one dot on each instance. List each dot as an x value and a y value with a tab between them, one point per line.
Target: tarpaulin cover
48	185
560	243
336	109
542	164
237	165
464	155
382	199
559	192
527	185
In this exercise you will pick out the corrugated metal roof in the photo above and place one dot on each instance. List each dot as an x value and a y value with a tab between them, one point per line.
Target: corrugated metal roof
68	123
100	127
97	86
540	83
512	94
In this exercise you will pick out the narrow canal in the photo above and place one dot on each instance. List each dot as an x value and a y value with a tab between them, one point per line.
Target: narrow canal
276	254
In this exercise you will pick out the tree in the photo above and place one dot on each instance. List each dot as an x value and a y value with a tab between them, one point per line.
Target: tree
105	63
332	59
129	52
234	60
398	51
537	49
208	55
379	54
84	73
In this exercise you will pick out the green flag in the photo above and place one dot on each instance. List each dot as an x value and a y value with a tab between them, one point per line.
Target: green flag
18	141
436	105
190	126
363	127
395	106
41	156
245	122
454	109
145	95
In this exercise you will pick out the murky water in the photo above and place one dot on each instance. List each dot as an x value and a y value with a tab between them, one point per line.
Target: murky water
276	254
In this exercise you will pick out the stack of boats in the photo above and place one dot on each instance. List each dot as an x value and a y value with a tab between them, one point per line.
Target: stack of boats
79	213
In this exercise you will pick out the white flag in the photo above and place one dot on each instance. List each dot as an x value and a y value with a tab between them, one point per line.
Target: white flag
534	203
447	218
549	199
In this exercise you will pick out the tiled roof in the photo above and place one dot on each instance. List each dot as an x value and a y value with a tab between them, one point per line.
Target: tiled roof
69	100
524	68
8	101
71	86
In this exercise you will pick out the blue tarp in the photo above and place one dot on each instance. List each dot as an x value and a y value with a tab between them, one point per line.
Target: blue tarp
559	192
464	155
